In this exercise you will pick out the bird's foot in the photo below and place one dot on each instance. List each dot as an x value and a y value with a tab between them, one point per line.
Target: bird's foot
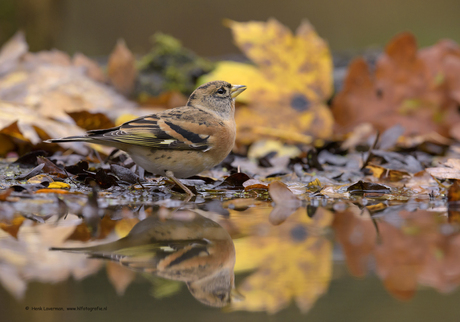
171	176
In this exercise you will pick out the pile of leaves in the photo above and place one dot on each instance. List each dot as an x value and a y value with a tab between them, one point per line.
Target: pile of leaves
305	164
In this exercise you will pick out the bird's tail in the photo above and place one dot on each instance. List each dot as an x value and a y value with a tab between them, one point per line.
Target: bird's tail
91	136
70	139
97	249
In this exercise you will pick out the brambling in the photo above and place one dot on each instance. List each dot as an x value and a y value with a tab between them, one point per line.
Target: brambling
184	247
179	142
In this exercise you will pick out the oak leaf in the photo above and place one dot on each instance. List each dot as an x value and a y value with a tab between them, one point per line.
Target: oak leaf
419	89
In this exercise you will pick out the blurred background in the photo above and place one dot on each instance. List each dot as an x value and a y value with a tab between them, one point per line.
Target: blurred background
93	26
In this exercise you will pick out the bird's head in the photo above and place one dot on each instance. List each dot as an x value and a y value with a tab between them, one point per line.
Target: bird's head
216	96
217	290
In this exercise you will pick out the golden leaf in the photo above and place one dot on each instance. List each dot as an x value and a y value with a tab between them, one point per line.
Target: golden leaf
58	185
292	79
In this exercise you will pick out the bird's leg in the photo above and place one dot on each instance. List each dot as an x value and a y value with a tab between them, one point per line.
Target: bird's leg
171	176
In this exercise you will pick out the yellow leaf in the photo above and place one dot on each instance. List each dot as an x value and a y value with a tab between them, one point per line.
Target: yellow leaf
58	185
125	118
287	88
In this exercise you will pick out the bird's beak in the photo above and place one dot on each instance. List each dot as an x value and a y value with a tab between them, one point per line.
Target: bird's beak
234	294
237	90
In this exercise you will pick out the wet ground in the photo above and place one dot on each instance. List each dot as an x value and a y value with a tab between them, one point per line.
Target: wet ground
319	245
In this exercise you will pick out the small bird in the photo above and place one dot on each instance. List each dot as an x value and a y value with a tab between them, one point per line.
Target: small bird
184	247
179	142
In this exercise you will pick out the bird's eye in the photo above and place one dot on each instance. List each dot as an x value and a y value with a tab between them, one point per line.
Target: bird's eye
221	91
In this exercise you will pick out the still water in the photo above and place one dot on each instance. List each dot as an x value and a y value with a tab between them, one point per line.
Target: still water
328	263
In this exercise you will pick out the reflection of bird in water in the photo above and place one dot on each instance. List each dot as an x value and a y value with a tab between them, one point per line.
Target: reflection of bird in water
186	247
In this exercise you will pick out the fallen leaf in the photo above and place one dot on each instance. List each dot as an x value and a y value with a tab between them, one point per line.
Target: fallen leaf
292	79
51	168
450	171
23	123
58	185
78	168
11	52
121	68
13	227
92	69
5	194
124	174
91	121
40	178
32	173
409	87
59	191
234	182
364	187
388	174
30	159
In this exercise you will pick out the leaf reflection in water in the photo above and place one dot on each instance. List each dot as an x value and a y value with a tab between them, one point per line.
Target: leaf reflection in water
415	248
185	247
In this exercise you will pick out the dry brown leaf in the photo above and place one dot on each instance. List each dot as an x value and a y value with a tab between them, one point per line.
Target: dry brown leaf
122	69
51	168
92	69
450	171
415	89
11	52
91	121
23	123
388	174
45	86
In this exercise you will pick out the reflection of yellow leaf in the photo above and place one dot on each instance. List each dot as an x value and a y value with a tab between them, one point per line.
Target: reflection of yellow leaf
262	148
292	79
292	261
124	226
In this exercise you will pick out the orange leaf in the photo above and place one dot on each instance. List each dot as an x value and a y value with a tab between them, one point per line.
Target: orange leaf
13	228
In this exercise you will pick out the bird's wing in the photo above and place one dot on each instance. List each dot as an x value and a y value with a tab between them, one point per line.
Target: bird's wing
174	129
148	256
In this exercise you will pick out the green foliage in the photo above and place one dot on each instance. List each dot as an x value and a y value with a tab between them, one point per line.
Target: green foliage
170	67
